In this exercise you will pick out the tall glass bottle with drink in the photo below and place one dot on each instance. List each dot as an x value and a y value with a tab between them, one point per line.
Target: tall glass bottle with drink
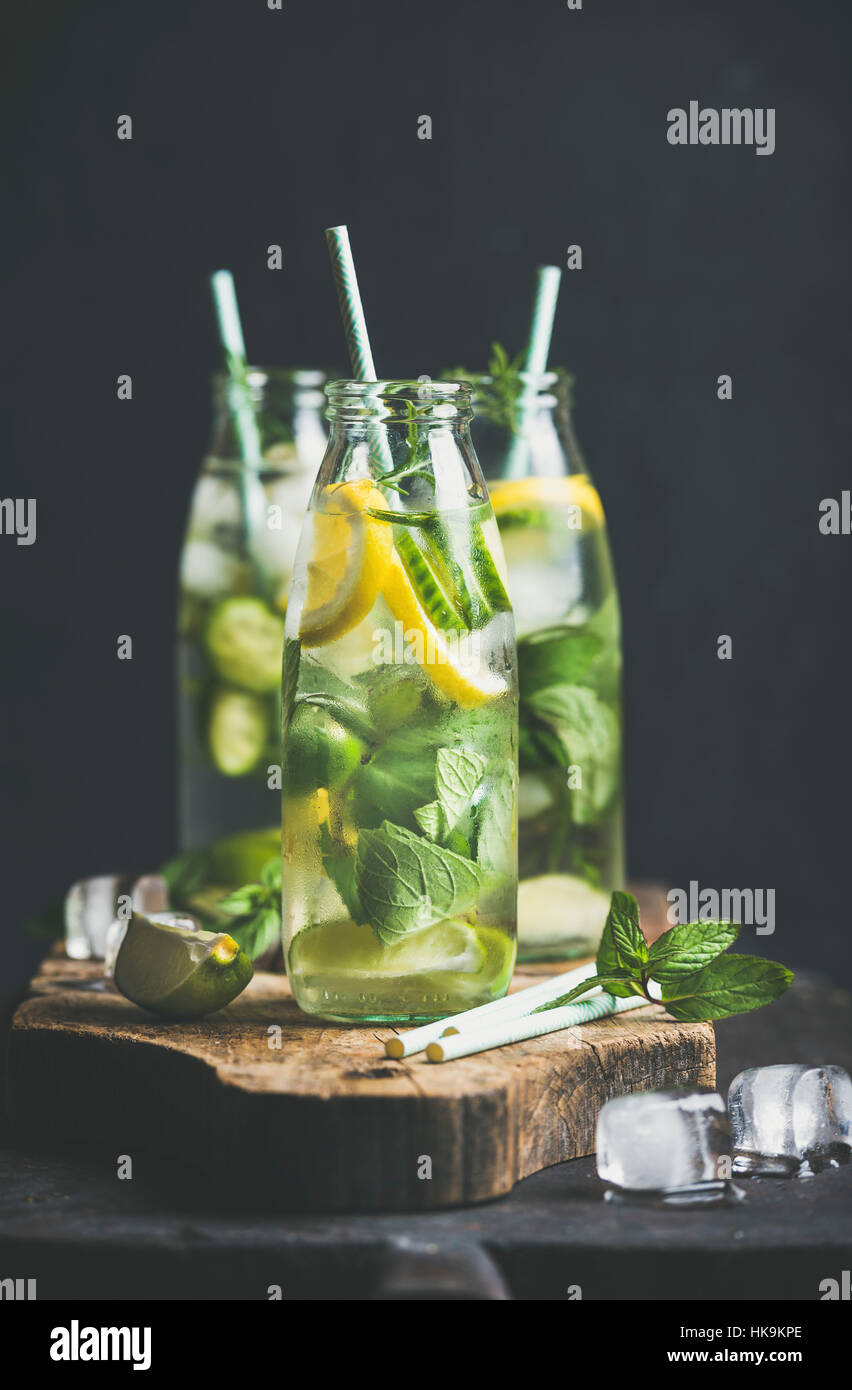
563	590
240	542
400	710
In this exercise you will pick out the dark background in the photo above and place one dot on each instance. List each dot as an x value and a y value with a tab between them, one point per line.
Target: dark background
252	127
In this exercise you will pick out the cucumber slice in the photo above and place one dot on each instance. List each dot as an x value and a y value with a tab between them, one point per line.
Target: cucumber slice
244	640
238	730
429	585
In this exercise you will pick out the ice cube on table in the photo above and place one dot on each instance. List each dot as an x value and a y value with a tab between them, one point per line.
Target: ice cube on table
675	1145
790	1119
91	906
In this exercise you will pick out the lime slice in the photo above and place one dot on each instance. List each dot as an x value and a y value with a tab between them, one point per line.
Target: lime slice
244	640
238	731
178	973
560	910
345	950
238	859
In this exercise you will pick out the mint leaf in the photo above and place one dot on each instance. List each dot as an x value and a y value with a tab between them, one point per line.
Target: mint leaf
617	977
397	778
431	820
405	882
270	874
458	774
259	933
685	949
559	655
243	901
495	825
185	873
622	944
588	733
730	984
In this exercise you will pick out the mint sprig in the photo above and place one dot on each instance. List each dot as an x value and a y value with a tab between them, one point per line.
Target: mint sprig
257	910
697	979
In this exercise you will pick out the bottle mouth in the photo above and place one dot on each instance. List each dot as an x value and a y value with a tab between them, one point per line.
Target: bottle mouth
302	384
423	401
538	388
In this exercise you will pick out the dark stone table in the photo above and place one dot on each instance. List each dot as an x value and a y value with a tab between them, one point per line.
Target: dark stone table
66	1220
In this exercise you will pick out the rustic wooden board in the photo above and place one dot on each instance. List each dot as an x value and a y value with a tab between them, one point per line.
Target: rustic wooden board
326	1123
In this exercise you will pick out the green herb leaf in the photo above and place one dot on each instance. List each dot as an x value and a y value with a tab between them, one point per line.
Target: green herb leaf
396	779
623	935
259	933
687	948
243	901
185	873
588	731
495	824
622	943
270	874
431	820
405	882
559	655
458	774
728	985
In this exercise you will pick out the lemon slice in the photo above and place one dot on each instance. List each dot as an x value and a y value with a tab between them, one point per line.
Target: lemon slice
179	973
453	673
350	557
526	493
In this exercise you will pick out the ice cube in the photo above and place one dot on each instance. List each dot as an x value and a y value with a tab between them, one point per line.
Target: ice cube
675	1145
91	907
790	1118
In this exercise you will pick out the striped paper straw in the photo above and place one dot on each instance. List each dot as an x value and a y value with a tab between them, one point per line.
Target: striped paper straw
511	1030
523	1001
355	327
233	344
349	299
548	279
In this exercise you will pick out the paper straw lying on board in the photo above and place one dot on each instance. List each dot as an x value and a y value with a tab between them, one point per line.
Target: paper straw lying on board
511	1030
523	1001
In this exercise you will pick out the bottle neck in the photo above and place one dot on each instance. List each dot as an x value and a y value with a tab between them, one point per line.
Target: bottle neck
538	442
269	420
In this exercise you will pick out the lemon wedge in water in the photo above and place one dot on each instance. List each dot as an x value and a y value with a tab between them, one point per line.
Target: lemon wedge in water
351	552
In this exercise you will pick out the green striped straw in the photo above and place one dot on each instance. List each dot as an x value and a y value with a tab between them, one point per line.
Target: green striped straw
516	1005
548	278
355	325
252	495
234	348
504	1031
349	299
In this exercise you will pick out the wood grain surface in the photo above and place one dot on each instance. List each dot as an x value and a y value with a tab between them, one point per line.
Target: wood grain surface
325	1122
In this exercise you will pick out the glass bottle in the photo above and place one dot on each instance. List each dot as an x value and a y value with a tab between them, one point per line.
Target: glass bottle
563	591
237	558
400	719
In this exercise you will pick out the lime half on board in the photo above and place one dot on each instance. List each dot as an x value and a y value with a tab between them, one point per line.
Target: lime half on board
179	973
